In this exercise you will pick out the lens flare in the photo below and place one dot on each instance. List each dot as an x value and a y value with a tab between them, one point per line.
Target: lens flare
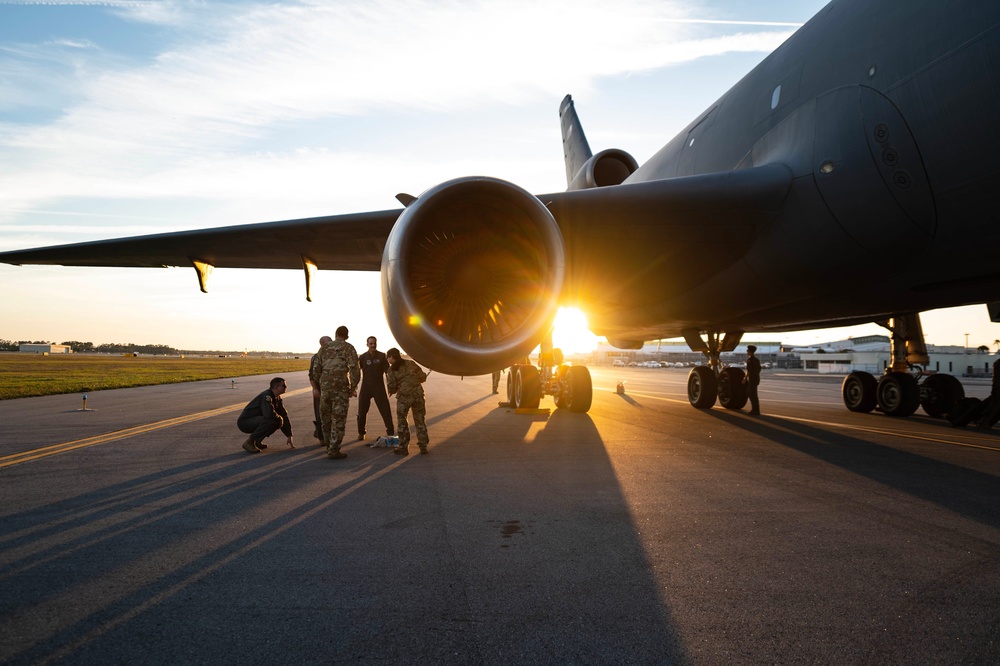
572	333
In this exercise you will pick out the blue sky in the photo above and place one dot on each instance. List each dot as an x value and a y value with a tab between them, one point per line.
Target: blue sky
122	118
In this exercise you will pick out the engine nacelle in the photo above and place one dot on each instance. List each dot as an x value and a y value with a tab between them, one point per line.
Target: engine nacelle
471	276
608	167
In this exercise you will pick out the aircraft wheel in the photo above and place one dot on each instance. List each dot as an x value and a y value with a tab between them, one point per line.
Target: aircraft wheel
510	383
898	394
939	394
702	387
860	391
732	392
527	388
576	389
561	394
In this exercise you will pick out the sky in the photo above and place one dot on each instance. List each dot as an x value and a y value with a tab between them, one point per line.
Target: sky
135	117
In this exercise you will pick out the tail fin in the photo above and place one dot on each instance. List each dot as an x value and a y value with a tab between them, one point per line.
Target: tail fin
576	150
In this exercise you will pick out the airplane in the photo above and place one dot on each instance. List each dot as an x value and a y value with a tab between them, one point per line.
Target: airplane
847	179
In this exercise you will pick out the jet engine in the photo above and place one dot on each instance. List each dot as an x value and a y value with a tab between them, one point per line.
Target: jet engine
471	276
608	167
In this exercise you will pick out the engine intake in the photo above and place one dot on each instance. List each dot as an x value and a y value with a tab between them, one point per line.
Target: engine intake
471	276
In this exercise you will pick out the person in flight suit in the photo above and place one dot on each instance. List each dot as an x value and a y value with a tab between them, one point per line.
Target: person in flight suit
338	383
314	382
405	379
374	365
752	379
263	416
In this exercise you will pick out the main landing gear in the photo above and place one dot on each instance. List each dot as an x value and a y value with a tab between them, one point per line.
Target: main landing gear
898	392
706	384
569	385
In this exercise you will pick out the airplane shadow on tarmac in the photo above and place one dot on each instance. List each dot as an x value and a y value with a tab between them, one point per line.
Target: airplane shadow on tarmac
964	491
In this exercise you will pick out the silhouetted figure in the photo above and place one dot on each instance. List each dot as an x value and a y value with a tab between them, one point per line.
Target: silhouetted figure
752	379
991	406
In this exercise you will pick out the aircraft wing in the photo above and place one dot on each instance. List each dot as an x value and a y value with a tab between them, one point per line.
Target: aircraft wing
342	242
711	210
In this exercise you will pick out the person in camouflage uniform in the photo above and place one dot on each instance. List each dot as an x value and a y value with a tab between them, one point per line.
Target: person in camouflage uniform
405	379
314	372
338	383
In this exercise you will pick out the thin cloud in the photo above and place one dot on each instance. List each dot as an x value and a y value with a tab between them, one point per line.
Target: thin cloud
202	102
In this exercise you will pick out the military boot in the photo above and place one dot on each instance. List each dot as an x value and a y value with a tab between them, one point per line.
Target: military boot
249	447
335	454
400	451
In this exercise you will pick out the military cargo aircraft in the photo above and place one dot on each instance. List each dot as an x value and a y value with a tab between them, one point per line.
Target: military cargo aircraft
847	179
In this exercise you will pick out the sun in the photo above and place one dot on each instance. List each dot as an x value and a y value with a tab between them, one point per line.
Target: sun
572	333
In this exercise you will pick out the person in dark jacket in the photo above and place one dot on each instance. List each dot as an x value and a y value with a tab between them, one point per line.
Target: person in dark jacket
263	416
990	413
374	365
752	379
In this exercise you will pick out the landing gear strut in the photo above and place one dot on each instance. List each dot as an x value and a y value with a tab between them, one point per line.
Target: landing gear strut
711	382
570	385
897	392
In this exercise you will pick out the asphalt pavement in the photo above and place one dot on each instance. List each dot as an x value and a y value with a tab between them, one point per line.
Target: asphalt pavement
647	532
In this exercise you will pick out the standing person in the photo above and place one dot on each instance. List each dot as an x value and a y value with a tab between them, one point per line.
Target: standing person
374	365
405	379
314	373
263	415
990	413
752	379
338	382
496	381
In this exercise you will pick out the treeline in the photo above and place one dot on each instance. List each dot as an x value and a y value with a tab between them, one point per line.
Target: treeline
79	347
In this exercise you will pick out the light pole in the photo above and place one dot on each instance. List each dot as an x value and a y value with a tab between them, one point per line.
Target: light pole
966	340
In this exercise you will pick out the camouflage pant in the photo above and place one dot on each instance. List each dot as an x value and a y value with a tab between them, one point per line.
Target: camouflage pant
403	405
333	403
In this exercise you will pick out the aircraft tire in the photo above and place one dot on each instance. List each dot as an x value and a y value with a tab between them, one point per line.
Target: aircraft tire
732	392
860	391
898	394
703	388
562	394
527	387
578	393
942	393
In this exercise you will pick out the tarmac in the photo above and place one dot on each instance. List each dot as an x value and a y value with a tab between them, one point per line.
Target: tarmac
643	532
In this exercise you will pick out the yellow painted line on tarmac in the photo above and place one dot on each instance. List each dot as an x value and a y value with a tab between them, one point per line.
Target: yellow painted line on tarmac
53	449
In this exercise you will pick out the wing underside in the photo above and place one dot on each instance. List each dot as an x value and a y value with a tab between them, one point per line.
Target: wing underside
620	234
342	242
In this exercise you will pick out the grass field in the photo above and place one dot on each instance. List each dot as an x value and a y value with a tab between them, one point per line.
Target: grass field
25	375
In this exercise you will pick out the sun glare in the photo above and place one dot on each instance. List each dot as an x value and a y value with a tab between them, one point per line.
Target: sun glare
572	333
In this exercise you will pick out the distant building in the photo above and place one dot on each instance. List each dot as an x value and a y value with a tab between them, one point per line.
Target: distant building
872	353
44	349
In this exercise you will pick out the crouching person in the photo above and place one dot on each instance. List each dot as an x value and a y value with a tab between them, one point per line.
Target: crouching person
404	381
263	416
